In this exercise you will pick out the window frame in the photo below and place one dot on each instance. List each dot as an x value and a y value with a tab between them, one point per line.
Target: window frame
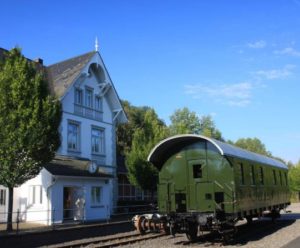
101	141
197	171
99	105
89	100
252	172
274	177
242	174
96	201
2	197
261	176
78	136
280	178
35	195
78	96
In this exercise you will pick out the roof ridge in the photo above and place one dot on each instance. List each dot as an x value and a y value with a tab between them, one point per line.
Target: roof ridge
63	61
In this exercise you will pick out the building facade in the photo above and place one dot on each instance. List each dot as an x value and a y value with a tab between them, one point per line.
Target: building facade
81	181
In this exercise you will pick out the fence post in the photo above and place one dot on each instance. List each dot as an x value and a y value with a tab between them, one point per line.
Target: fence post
18	216
53	218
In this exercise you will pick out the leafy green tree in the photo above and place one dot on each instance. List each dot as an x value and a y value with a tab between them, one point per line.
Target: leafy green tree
29	121
125	131
253	145
184	121
209	129
294	179
141	173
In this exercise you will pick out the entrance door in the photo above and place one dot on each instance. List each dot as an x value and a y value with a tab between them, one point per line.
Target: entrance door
3	205
74	203
200	190
165	194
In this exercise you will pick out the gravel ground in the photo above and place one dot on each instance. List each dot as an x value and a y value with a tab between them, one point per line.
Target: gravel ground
286	229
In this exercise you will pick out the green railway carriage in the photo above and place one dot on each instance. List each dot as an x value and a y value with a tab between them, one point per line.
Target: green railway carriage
210	184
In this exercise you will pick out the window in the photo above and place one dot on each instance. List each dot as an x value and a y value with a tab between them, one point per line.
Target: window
98	141
252	175
2	197
96	195
242	177
73	136
35	194
89	98
280	178
274	177
286	180
197	170
261	175
98	103
78	97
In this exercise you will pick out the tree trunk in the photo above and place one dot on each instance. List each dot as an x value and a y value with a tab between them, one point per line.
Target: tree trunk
9	226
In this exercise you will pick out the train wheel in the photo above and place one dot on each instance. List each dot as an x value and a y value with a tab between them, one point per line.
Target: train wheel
249	220
192	232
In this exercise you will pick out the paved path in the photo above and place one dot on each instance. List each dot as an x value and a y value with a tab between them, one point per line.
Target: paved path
293	244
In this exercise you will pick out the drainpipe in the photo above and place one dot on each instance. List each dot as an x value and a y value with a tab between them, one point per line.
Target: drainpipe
53	181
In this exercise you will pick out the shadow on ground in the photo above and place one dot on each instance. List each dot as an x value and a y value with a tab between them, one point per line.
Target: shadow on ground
38	239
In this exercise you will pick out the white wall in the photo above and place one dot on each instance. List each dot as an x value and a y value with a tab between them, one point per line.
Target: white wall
38	212
90	213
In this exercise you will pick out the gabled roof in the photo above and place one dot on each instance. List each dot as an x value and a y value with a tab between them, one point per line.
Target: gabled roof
61	75
161	152
74	167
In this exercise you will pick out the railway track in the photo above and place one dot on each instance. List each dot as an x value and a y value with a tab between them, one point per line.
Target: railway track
245	233
109	242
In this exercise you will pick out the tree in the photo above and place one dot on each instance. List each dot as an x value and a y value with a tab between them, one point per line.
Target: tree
29	121
125	131
184	121
141	173
253	145
209	129
294	179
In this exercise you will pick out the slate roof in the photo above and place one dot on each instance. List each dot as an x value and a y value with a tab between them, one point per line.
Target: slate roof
61	75
75	167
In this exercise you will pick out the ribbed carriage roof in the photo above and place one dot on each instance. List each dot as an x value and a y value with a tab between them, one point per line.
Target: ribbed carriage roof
162	150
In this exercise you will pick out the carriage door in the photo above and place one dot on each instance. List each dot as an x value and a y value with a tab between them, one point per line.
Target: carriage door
200	190
166	196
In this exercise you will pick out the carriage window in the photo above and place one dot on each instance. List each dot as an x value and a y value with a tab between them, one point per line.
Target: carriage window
280	178
274	177
261	176
286	180
197	170
252	175
242	174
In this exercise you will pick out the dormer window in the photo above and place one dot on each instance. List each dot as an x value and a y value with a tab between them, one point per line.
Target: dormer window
78	97
89	97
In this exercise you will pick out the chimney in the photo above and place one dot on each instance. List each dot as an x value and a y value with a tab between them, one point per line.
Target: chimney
39	61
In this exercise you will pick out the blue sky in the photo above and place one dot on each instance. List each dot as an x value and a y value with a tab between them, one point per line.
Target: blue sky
236	60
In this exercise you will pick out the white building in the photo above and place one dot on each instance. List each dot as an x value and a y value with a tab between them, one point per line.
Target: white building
80	183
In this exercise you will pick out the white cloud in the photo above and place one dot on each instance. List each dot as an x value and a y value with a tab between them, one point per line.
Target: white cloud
288	51
257	45
232	94
282	73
